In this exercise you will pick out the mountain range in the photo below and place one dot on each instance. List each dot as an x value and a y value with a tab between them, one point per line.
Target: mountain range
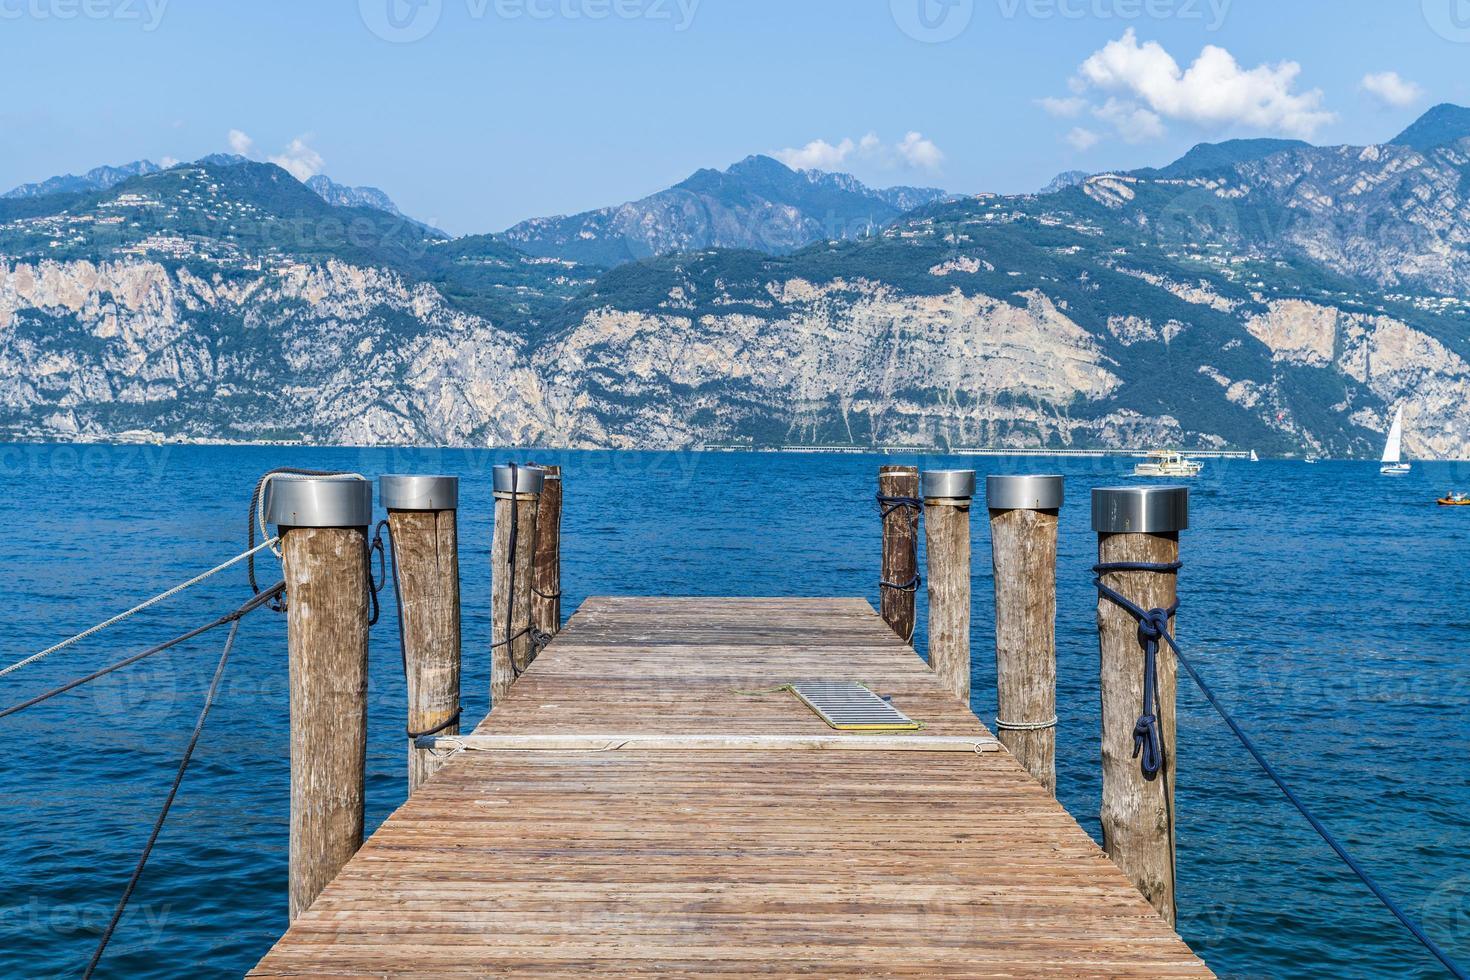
1265	294
758	203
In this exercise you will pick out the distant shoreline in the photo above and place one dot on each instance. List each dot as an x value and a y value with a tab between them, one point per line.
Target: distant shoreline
1095	453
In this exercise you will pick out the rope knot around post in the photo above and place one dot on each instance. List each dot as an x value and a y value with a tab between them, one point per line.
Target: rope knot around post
1153	626
1138	530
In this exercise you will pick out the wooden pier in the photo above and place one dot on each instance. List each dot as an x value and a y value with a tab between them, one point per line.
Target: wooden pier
760	859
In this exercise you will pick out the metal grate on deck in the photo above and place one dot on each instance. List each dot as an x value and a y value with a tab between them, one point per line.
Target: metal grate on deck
850	707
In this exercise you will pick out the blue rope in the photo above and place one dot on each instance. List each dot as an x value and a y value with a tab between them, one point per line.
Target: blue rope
1152	627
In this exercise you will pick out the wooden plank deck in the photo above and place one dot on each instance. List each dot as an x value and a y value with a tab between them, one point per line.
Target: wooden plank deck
727	862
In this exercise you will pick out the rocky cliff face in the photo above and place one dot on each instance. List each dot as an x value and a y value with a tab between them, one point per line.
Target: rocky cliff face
1392	360
344	354
330	352
229	302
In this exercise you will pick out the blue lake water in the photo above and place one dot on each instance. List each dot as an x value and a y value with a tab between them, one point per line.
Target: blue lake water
1328	605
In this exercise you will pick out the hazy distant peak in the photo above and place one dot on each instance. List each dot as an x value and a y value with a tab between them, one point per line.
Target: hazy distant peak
1442	125
96	179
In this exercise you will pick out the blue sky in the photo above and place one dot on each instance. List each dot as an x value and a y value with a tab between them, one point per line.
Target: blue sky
506	109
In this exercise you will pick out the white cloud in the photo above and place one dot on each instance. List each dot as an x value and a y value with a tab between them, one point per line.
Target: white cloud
1082	139
920	152
1213	91
914	151
1132	122
1062	108
1391	89
299	159
817	155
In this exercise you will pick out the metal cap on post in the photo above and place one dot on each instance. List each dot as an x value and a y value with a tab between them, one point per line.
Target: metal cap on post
319	502
1140	510
400	492
1028	492
947	484
518	479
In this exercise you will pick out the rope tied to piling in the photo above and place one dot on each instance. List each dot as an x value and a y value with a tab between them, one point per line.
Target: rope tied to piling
887	506
1153	626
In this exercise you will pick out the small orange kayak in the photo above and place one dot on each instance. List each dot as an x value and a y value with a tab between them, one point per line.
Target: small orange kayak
1455	500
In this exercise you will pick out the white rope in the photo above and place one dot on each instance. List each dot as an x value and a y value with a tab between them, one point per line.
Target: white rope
269	543
265	483
1026	726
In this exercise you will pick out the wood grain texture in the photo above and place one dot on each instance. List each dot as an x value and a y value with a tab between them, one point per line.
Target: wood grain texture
1137	813
947	549
727	863
900	550
327	643
510	616
1023	547
426	551
546	561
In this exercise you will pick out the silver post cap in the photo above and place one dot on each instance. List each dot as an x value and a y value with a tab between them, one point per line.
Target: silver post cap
528	479
1028	492
1140	510
400	492
947	484
319	502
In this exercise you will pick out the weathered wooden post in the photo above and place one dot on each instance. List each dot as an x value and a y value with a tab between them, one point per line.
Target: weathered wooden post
1138	524
323	524
1023	546
546	562
898	499
517	491
421	519
947	495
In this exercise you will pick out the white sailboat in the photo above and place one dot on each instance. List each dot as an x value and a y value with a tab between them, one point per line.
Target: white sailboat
1391	465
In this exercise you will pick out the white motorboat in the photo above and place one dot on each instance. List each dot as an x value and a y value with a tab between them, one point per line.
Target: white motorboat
1166	462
